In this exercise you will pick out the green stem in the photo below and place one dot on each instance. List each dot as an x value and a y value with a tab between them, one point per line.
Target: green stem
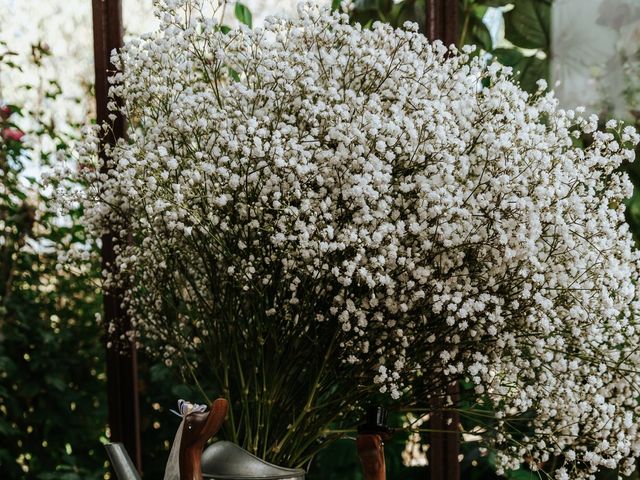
308	405
465	27
232	421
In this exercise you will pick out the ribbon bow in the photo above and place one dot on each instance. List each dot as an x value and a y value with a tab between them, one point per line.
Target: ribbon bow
185	408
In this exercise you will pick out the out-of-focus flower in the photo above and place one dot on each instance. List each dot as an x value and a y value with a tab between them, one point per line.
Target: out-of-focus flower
5	112
12	134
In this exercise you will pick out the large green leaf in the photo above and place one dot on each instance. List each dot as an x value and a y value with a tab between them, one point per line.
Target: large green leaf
531	69
527	25
508	56
243	14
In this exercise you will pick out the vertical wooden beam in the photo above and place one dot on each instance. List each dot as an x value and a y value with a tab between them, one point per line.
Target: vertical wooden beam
443	20
122	379
444	441
444	445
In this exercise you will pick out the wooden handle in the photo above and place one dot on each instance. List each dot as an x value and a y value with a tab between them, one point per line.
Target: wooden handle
371	453
198	429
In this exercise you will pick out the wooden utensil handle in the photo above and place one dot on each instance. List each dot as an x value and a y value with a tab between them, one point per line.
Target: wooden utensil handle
197	430
371	453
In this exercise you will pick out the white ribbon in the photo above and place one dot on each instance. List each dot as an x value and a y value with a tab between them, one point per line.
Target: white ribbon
172	470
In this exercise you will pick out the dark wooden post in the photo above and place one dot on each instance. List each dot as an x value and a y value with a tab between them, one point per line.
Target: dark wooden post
444	444
443	21
122	380
442	24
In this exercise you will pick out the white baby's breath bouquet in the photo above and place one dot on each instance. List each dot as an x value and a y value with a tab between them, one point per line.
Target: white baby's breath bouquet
311	213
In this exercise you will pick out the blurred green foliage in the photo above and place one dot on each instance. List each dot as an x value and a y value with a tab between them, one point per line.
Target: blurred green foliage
52	364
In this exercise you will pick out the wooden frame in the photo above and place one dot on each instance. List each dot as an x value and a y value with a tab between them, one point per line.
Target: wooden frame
443	20
122	380
444	444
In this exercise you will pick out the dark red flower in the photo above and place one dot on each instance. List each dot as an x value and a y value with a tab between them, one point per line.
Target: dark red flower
12	134
5	112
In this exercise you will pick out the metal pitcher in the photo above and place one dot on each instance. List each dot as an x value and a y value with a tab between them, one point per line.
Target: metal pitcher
220	461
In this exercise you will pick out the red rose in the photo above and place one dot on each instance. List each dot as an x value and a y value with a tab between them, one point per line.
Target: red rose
12	134
5	112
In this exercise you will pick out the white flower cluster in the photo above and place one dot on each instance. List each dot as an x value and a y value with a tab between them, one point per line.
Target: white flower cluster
313	176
